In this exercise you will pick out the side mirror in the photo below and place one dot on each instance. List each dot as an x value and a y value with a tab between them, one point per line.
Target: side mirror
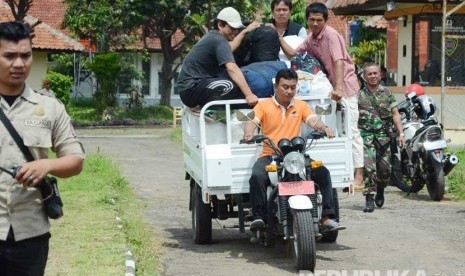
241	117
323	109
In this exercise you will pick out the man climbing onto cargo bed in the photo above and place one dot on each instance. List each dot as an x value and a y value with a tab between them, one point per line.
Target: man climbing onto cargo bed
328	46
209	71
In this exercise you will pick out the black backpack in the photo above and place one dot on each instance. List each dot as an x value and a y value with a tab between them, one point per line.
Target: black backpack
261	44
307	63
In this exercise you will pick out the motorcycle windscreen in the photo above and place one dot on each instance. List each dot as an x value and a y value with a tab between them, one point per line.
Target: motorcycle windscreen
296	188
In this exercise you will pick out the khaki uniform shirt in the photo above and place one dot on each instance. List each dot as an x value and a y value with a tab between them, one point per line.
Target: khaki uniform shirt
46	92
43	123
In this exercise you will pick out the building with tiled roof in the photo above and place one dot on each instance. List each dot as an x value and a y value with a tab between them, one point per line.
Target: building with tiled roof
47	37
47	40
414	35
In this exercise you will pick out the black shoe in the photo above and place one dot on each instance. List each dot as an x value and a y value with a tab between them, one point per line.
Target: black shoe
379	198
369	204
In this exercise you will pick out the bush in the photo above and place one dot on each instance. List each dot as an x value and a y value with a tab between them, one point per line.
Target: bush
107	69
373	49
83	113
61	85
84	102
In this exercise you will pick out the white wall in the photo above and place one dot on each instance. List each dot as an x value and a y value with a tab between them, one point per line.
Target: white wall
156	62
38	70
404	62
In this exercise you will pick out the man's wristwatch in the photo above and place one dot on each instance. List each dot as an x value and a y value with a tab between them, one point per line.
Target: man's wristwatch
402	135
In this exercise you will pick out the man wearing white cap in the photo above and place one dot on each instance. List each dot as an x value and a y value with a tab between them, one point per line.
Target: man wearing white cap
209	71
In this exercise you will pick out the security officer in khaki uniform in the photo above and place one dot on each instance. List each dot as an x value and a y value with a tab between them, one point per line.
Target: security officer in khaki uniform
43	123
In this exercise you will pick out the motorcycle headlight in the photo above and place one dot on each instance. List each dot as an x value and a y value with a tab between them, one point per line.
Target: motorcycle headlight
298	143
285	145
294	162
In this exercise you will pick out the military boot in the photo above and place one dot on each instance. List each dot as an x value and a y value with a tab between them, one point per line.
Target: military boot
379	198
369	204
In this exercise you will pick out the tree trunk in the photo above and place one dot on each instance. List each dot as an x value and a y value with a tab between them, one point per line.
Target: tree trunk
166	70
165	82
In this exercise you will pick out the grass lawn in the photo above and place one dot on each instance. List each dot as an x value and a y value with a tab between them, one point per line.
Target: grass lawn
88	240
456	178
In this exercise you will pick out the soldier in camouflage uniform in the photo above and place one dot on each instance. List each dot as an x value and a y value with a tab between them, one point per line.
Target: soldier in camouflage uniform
378	112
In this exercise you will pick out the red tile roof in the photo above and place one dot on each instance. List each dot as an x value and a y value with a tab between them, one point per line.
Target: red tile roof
46	37
334	4
50	11
53	11
359	7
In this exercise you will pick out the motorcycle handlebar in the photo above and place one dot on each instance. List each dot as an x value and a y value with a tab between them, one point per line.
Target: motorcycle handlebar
314	135
255	139
317	135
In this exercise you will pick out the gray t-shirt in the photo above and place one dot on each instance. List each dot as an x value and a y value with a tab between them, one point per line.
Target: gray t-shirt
205	60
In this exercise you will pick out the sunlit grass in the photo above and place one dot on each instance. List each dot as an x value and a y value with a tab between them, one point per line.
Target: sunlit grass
456	179
87	239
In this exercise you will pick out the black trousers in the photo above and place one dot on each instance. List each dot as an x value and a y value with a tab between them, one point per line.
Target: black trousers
26	257
259	181
211	89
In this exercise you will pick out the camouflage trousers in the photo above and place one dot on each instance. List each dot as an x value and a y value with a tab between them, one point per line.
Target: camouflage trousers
377	163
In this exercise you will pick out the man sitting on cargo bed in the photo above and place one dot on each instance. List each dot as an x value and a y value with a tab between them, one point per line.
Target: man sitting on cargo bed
281	116
209	71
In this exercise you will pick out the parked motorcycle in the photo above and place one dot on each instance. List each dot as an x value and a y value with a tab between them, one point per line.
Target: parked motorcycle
294	202
423	159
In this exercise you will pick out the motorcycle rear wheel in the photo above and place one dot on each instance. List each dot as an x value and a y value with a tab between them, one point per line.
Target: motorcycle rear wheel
436	183
201	218
303	245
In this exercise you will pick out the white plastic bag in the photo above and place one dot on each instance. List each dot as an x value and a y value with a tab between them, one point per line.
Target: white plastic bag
320	85
293	41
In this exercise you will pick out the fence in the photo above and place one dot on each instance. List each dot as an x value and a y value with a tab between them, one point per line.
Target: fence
452	99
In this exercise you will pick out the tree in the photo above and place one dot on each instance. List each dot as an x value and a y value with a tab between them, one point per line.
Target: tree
106	68
166	19
177	24
104	22
107	25
19	9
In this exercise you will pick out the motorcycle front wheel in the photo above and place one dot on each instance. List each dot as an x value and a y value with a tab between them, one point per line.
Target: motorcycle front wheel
303	245
403	183
435	183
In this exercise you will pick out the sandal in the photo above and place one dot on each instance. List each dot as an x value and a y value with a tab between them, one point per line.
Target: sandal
209	116
330	225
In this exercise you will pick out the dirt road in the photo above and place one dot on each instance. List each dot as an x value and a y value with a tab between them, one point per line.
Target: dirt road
409	236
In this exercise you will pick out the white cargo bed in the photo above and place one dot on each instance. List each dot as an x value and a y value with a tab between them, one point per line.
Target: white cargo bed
214	158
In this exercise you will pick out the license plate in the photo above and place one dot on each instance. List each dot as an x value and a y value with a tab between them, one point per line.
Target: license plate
296	188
